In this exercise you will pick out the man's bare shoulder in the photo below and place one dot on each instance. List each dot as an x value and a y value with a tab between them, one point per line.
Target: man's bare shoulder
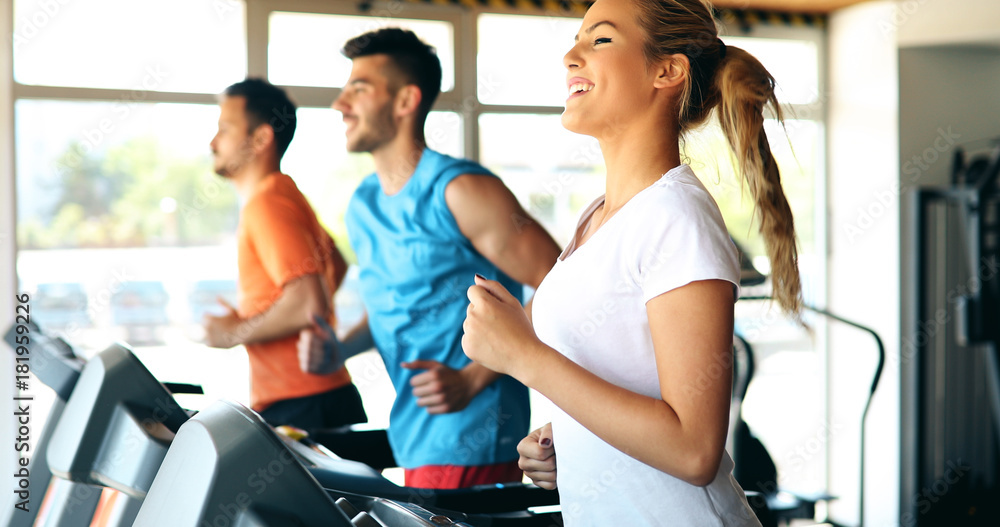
475	188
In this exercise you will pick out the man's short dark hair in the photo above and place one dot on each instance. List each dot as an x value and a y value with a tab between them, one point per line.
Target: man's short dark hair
267	104
416	60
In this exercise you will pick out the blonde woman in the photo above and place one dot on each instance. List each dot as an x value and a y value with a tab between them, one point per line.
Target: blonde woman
631	336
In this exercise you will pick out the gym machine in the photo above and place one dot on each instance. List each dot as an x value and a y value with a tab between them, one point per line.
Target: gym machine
755	468
119	422
87	443
950	346
226	467
68	504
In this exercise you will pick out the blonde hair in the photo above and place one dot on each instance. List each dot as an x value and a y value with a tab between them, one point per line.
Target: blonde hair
735	84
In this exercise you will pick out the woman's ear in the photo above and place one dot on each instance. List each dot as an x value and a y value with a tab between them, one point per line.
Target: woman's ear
672	71
408	100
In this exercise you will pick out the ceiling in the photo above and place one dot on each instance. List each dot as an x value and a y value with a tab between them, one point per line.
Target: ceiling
787	6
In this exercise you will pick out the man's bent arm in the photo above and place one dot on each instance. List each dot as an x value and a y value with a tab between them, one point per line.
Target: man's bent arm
489	215
300	299
491	218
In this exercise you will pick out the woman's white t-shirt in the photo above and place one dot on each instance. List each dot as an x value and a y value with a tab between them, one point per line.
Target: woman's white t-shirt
592	308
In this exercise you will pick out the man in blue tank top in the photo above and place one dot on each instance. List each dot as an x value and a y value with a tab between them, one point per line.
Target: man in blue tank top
422	226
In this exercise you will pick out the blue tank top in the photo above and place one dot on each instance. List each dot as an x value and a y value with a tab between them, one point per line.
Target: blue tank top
416	267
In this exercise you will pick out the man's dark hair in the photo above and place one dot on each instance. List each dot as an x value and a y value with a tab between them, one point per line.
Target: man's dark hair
267	104
416	61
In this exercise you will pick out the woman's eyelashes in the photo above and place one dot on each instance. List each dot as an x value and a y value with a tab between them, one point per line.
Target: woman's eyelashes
602	41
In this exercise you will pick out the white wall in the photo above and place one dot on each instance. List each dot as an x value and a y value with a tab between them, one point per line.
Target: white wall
944	92
935	22
863	259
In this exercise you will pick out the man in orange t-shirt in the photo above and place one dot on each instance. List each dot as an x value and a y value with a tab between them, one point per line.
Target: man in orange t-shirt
289	267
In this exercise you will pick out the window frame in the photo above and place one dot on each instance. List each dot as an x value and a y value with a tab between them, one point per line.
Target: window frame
463	99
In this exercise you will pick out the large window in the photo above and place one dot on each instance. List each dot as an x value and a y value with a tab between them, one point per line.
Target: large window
118	206
303	49
523	71
177	46
123	231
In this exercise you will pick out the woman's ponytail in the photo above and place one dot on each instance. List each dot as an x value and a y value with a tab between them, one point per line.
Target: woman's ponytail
744	89
732	82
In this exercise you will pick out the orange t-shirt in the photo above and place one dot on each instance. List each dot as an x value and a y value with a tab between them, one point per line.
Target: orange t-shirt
279	240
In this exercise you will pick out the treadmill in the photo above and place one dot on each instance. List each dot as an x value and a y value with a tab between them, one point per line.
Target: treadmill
226	466
67	504
120	421
87	441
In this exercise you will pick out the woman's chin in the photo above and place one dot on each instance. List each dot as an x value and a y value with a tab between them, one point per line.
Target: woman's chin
573	123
